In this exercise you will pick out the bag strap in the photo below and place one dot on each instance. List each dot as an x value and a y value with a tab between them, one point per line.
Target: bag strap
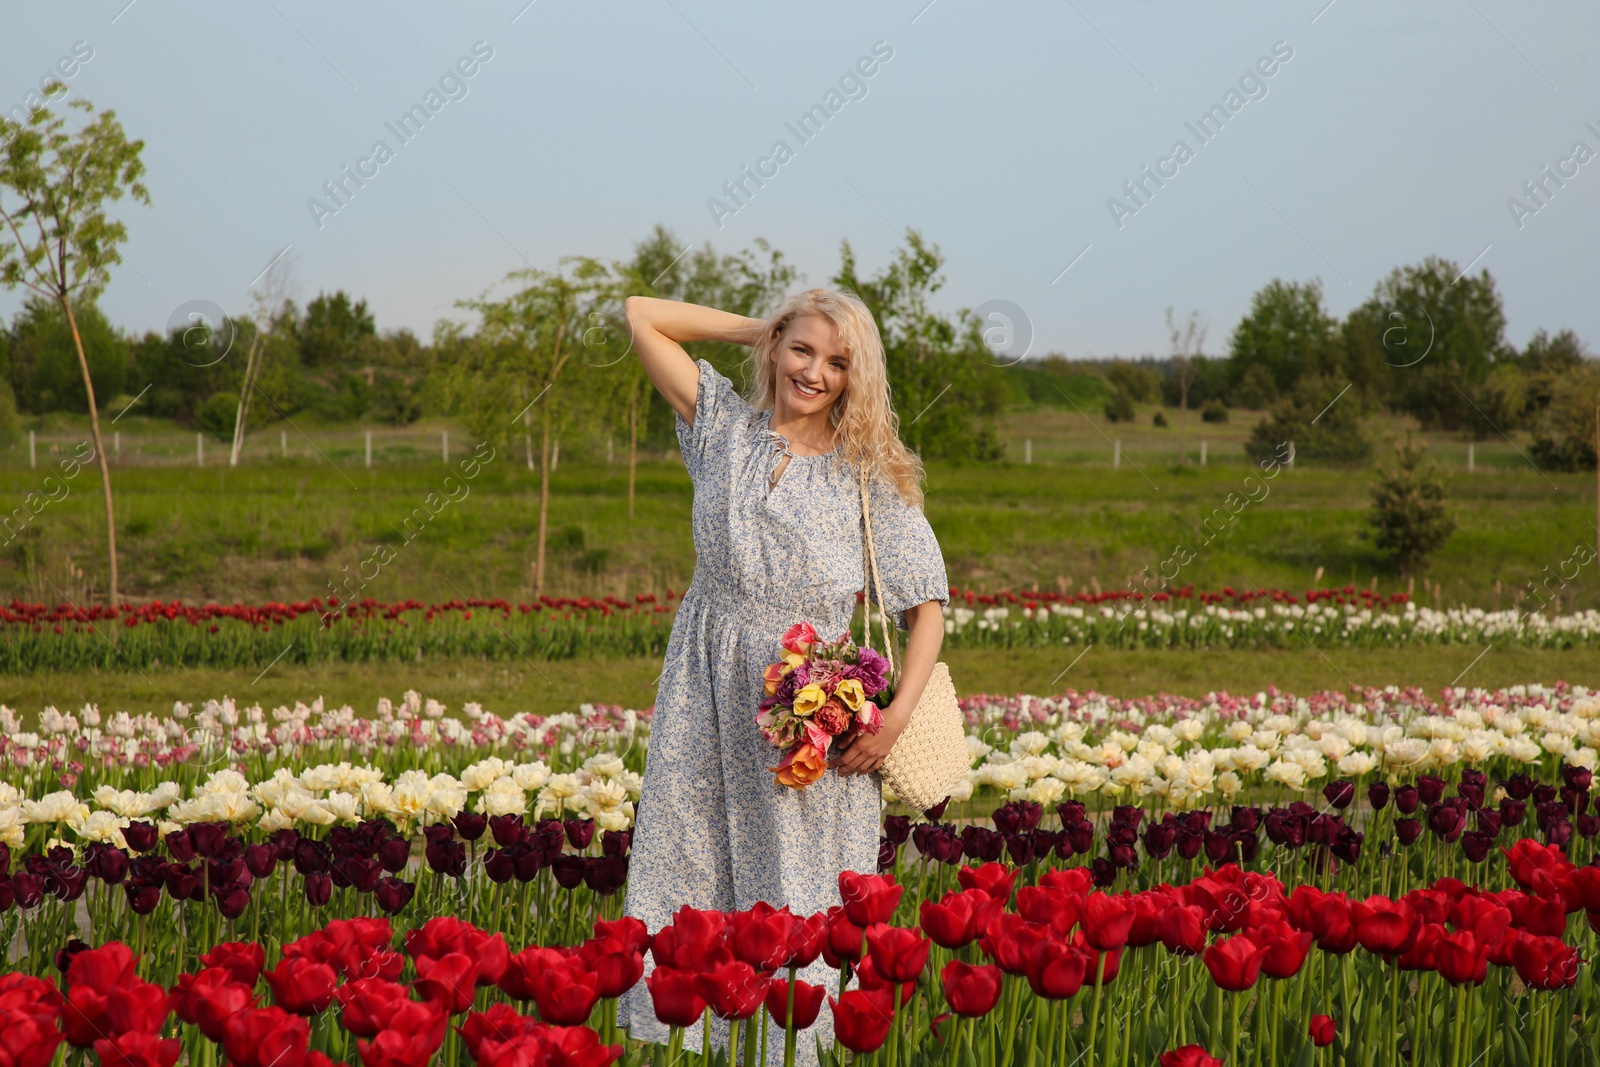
875	583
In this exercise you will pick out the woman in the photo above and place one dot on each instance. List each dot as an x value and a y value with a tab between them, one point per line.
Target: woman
778	540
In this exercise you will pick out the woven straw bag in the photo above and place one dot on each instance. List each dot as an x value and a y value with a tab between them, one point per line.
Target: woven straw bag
930	756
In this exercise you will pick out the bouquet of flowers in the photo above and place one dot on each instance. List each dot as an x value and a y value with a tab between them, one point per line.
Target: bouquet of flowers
818	691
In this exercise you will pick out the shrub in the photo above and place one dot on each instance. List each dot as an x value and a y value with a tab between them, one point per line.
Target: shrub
1159	420
1214	411
1120	407
1409	519
218	413
1564	432
1320	426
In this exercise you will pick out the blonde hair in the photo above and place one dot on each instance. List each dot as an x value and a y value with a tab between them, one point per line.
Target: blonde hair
863	417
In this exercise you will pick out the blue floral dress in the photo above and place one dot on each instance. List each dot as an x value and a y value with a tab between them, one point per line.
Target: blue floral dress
713	828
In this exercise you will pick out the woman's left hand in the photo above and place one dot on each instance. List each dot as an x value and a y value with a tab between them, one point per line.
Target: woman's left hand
865	753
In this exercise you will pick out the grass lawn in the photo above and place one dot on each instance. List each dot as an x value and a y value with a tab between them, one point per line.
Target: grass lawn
284	529
554	686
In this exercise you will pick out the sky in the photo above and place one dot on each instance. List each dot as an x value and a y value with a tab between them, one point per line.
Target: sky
1361	136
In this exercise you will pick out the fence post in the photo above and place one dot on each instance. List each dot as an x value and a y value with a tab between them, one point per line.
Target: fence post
610	442
369	448
1116	454
199	449
33	451
1290	464
1202	453
1470	458
1027	450
444	443
283	442
116	444
555	455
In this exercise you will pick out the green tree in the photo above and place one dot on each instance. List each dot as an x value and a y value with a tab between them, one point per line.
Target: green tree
1409	521
947	390
43	368
334	330
1564	430
1287	334
1431	334
59	242
1138	381
523	344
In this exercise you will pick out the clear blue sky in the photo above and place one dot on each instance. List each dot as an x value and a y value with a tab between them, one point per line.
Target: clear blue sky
998	131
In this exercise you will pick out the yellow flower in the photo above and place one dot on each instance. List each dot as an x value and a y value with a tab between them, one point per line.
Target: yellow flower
851	693
809	699
793	659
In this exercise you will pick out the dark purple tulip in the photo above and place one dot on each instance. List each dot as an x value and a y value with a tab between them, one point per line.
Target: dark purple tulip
447	857
1130	814
1219	845
1476	846
568	871
1406	799
1575	802
260	860
65	953
1558	833
1579	778
529	861
1512	812
1249	846
1064	847
1102	872
579	832
1587	825
393	895
1430	789
310	857
363	873
394	853
1408	830
1474	777
1471	792
1159	838
319	888
1301	807
1543	794
981	843
507	829
1518	786
204	837
1488	822
183	882
1020	848
470	825
1124	856
897	828
1071	811
1082	837
1339	793
7	897
141	836
233	872
142	898
179	846
948	848
286	841
1378	795
1245	819
617	842
1445	821
887	852
232	901
1189	844
935	813
110	864
438	832
1346	845
499	865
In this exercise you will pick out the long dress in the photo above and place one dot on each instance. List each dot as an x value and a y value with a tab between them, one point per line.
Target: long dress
713	829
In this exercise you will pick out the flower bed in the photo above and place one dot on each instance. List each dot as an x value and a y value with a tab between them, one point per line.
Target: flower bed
35	636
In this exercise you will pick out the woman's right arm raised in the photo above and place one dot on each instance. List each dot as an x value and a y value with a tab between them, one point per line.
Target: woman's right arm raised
659	325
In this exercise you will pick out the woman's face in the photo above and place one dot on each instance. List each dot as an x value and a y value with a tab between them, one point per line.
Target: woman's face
813	368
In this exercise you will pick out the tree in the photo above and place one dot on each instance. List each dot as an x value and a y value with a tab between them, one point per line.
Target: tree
334	329
59	242
1187	342
938	366
273	316
43	368
744	284
1409	520
1564	431
1431	334
523	342
1286	333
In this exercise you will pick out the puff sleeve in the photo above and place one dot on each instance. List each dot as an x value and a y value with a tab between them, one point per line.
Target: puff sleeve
910	564
717	408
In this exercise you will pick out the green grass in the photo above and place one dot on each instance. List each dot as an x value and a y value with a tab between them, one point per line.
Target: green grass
557	686
285	529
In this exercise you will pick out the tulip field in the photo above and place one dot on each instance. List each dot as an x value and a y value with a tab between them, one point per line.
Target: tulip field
68	637
1379	877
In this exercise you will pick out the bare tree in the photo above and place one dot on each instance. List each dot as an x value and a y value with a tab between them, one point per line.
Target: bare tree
271	301
1187	343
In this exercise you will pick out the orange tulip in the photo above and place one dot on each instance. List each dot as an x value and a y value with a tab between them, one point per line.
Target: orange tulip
807	766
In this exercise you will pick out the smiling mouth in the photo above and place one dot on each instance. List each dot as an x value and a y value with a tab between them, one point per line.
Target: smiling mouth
806	392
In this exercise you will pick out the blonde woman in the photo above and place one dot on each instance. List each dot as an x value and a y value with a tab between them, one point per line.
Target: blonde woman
778	540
